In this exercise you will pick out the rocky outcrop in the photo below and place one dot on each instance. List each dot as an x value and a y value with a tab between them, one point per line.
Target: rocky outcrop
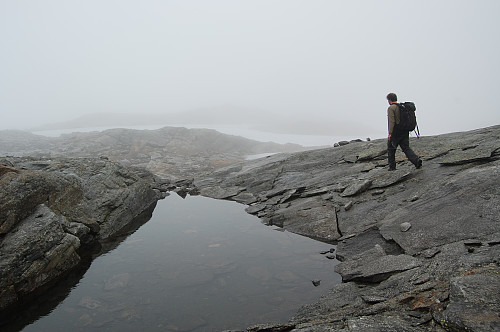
170	152
50	207
419	249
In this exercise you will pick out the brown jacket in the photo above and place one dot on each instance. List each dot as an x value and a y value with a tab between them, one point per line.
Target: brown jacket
393	117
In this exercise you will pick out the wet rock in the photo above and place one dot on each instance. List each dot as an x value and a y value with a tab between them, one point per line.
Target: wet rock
331	251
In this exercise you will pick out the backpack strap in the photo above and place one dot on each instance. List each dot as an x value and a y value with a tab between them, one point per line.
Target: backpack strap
417	131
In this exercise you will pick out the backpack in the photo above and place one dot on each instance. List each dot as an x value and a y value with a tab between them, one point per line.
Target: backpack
407	118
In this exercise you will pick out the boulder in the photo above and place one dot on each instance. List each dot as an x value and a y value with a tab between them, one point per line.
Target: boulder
37	251
50	207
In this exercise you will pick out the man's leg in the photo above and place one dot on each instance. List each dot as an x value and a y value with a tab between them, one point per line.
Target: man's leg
391	155
412	157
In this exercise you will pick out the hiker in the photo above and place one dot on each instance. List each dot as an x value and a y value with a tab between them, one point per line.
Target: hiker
398	137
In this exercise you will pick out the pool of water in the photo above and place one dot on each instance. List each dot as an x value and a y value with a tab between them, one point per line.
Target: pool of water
198	264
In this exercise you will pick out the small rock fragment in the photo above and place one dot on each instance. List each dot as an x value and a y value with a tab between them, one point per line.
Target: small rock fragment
373	299
348	206
405	226
378	192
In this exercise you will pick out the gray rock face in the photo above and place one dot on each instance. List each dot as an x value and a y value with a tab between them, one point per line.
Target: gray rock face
473	302
374	266
36	251
416	246
49	207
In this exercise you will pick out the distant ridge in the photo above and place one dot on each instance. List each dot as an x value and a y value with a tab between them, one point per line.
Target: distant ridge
265	121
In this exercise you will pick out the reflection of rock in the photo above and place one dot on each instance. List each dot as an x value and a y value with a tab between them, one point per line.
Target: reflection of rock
89	303
185	323
117	281
286	276
259	273
189	279
85	320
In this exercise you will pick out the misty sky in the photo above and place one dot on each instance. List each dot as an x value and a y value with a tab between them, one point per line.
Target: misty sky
319	66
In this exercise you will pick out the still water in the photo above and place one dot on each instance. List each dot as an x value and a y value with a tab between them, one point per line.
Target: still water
198	264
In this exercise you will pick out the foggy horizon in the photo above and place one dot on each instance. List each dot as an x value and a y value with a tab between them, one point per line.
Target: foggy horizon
300	67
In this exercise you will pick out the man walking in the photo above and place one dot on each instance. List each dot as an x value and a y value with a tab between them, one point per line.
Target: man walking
398	137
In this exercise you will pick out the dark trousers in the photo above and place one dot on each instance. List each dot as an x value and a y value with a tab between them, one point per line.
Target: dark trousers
403	140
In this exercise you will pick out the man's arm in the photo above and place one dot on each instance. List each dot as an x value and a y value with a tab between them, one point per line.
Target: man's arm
391	120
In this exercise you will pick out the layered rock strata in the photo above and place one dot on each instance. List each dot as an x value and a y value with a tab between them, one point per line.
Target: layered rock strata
419	249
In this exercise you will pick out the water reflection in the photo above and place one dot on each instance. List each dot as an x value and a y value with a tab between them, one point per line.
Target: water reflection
198	265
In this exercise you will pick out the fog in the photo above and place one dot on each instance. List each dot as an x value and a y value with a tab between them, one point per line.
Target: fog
308	67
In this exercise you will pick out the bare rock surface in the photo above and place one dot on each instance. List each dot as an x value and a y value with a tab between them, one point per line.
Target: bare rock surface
419	249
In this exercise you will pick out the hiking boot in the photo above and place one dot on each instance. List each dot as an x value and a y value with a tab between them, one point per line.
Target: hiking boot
392	168
419	164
